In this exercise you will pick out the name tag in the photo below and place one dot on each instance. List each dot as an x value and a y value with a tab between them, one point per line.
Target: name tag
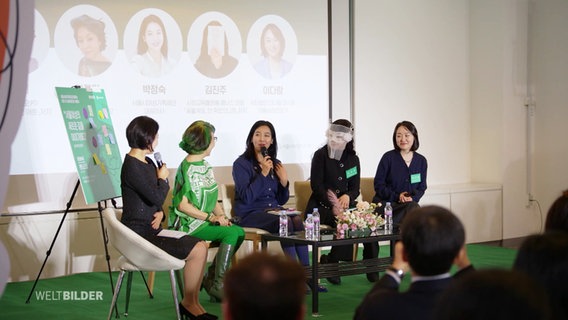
415	178
351	172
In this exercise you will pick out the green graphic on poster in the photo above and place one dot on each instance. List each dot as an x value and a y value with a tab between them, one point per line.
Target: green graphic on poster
93	142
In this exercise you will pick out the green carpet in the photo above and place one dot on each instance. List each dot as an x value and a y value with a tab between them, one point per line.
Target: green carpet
45	304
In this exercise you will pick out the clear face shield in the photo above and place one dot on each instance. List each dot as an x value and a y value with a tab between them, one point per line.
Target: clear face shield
337	138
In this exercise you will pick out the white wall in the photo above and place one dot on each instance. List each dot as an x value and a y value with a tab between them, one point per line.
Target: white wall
499	50
412	63
549	69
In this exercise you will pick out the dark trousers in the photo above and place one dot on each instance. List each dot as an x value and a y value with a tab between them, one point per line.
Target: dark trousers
399	211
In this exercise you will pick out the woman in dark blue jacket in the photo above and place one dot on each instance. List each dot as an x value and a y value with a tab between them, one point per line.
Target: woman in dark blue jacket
401	173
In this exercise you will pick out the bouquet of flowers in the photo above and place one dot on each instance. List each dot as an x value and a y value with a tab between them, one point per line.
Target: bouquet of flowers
361	218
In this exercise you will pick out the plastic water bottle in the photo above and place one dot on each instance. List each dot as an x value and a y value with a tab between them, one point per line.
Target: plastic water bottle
283	224
309	227
316	217
388	217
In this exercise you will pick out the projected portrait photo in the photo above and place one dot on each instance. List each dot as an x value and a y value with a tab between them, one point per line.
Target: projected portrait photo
41	42
219	45
86	40
272	46
152	42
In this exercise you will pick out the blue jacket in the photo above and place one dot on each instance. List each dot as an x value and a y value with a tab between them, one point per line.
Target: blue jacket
255	192
394	177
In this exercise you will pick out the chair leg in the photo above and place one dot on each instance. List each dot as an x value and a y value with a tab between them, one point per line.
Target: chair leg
179	280
149	287
174	293
355	251
128	290
115	295
255	244
150	284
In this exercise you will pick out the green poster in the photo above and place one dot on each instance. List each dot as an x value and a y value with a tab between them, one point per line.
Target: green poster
93	142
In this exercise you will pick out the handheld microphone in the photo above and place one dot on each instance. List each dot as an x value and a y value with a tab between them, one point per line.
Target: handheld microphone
264	153
158	158
233	220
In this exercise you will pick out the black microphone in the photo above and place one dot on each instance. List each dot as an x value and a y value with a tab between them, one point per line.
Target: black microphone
158	158
264	153
233	220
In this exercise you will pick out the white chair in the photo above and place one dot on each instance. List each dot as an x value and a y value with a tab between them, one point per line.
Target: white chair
138	254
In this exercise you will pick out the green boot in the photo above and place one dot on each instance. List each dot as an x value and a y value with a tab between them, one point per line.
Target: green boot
207	282
224	254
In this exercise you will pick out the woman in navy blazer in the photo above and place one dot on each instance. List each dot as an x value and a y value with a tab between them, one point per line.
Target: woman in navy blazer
401	174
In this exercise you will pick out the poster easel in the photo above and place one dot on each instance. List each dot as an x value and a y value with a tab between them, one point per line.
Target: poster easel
48	253
95	150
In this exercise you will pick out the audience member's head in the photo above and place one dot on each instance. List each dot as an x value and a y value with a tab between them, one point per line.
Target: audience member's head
544	257
265	286
493	294
432	237
557	217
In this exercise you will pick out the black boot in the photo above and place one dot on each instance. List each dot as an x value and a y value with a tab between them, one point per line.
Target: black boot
223	257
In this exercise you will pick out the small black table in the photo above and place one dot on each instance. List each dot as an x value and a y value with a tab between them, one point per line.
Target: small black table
317	270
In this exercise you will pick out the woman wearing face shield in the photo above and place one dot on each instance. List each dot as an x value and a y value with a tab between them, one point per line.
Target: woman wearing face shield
336	167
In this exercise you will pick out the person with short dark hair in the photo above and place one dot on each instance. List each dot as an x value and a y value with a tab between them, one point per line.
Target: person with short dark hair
401	174
432	239
144	190
493	294
544	257
557	217
263	286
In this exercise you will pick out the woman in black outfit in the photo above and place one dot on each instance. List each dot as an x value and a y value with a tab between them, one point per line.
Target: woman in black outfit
144	189
336	167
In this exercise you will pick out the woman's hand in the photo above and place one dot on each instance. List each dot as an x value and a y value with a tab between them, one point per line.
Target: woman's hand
281	173
163	172
344	201
157	221
404	197
265	163
223	221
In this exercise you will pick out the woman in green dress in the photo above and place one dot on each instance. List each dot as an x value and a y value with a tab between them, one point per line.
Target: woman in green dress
195	208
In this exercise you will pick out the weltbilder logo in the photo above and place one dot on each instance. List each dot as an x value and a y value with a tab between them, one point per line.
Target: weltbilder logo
69	295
